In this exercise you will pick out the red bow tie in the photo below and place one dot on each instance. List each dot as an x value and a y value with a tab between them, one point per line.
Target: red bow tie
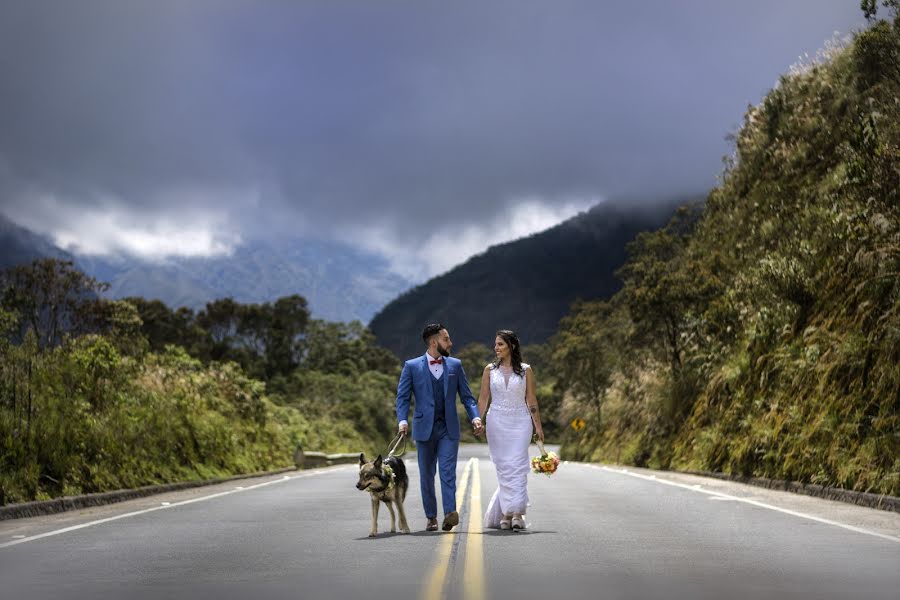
435	362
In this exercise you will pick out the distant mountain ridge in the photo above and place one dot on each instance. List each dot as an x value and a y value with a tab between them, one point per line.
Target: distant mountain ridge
339	282
527	284
19	245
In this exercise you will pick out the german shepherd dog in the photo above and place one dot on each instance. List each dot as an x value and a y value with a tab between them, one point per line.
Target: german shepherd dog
386	481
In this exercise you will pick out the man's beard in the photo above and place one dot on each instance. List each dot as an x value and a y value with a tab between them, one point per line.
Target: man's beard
443	351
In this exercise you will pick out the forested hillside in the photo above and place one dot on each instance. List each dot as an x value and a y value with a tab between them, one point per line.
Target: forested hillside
764	337
98	394
526	285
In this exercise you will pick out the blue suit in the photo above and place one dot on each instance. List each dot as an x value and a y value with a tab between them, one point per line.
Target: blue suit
436	432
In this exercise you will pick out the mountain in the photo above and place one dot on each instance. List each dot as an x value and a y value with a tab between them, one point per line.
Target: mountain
526	285
19	245
339	282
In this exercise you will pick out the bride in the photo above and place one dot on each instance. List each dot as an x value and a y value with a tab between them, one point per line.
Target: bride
508	385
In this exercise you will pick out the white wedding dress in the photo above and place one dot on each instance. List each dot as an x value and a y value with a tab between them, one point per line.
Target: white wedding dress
509	430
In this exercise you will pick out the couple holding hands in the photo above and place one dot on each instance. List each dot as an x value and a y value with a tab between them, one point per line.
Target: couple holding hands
507	385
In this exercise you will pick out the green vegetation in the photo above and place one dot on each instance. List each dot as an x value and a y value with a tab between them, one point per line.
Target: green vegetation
98	395
759	334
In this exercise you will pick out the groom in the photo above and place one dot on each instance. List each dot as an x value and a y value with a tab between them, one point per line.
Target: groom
436	379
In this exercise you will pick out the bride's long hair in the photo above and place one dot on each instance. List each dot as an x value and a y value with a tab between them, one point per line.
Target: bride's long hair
515	351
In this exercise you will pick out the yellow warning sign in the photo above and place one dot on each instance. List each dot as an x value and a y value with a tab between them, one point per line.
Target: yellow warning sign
578	424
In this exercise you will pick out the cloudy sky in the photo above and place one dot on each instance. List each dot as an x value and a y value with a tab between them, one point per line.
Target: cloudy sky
424	131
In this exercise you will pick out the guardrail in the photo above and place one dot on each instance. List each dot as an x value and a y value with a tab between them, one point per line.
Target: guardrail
309	460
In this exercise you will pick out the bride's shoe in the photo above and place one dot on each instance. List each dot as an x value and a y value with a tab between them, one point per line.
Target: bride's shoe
505	522
518	523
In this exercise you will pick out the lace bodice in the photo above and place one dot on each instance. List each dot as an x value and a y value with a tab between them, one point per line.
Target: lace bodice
508	397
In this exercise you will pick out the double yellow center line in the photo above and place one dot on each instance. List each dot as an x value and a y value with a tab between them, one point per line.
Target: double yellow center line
473	570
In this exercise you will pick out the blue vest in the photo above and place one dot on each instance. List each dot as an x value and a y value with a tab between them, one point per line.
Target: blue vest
437	389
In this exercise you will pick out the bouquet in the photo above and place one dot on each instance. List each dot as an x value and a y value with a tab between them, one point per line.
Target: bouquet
546	462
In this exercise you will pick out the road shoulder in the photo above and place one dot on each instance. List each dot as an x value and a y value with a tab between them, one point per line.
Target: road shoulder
879	521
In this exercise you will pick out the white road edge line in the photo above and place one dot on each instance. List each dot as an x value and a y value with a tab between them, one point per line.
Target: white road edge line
164	507
723	496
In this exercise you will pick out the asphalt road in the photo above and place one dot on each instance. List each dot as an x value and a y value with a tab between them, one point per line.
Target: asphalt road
594	532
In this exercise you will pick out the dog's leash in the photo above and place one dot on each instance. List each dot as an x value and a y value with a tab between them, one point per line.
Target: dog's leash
392	448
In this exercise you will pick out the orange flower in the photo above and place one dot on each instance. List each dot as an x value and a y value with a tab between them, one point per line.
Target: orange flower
545	464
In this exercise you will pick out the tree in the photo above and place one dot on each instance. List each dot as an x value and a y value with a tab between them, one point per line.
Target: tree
657	292
230	336
664	288
266	339
585	352
347	348
474	357
870	8
163	326
122	323
221	320
52	298
285	322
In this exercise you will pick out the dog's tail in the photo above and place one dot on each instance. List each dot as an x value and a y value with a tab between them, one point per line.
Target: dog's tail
396	463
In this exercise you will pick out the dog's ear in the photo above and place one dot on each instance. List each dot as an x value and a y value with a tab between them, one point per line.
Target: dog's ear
378	462
362	458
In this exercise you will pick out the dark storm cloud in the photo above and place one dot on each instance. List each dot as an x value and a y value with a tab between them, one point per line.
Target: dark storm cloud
398	116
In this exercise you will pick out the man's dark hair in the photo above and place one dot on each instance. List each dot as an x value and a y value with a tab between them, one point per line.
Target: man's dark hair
431	330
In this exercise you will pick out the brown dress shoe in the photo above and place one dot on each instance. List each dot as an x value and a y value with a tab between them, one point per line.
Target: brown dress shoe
431	525
450	521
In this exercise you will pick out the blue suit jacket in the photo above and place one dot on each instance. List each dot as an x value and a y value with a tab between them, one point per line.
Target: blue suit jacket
416	379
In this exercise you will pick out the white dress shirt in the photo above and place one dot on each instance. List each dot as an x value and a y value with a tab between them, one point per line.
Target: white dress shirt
436	369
